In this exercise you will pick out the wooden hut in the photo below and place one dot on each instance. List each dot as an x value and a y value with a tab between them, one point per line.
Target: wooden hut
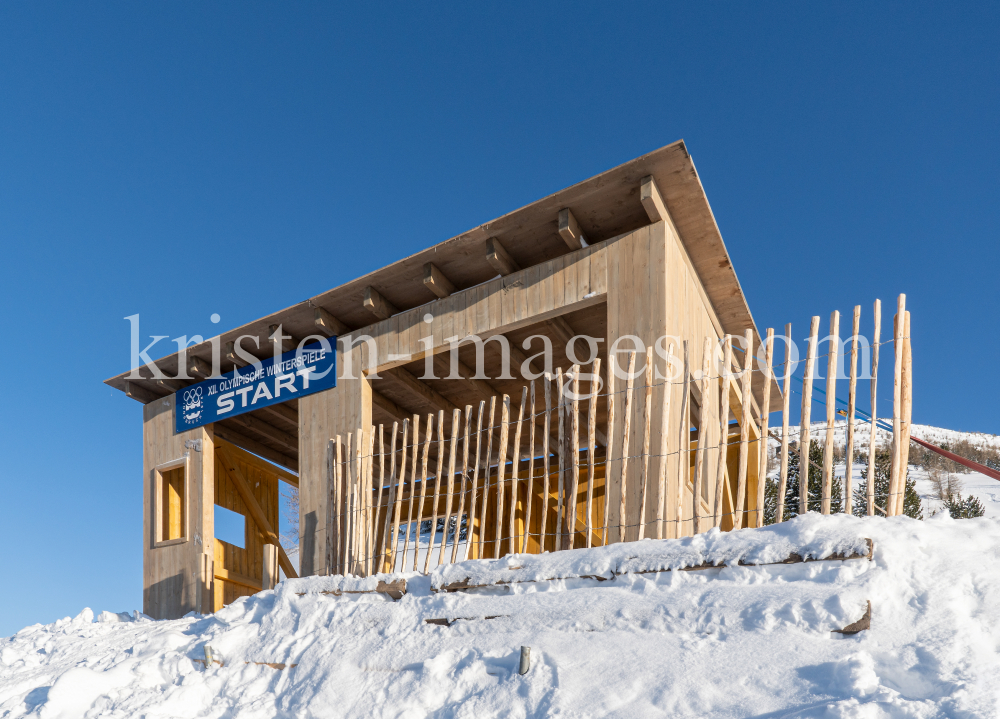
631	254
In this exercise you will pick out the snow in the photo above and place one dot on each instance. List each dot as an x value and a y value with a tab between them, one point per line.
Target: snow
739	641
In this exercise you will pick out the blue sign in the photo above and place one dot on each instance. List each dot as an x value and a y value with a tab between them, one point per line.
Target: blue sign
298	373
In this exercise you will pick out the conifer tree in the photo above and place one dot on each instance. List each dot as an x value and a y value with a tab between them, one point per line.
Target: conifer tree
912	506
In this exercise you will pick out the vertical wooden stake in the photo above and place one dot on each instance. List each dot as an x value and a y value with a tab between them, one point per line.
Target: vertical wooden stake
471	523
608	456
270	569
572	504
546	431
745	421
413	497
381	484
486	480
907	396
647	413
464	487
720	467
428	438
872	447
852	401
501	471
661	504
626	428
530	496
398	503
897	406
561	480
387	520
701	452
514	467
765	420
339	506
456	421
438	477
683	444
831	412
807	389
785	409
595	388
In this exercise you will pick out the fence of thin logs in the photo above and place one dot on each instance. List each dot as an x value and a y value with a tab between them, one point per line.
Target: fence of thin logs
394	507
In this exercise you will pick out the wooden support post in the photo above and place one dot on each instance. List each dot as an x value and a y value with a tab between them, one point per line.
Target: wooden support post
647	414
785	410
456	420
338	507
253	506
831	412
428	438
514	464
498	257
897	406
501	471
569	230
852	401
595	388
701	456
872	446
397	500
720	467
652	201
270	571
626	429
436	281
807	387
765	417
378	305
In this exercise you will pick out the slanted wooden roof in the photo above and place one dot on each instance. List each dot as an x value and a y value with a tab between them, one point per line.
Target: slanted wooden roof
605	206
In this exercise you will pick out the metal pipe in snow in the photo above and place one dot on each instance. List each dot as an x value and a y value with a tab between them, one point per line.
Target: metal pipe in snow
525	660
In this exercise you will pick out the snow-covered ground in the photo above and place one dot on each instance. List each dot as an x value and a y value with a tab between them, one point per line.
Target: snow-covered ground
739	641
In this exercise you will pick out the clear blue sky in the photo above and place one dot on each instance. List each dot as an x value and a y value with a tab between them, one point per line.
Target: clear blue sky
179	159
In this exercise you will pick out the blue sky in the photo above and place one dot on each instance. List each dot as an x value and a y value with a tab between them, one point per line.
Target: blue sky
182	159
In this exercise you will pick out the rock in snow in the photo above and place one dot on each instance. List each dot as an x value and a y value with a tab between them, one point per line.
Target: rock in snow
739	641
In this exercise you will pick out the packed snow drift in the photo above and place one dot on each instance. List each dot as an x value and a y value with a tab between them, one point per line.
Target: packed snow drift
732	641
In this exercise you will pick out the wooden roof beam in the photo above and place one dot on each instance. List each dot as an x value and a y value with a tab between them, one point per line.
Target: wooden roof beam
267	431
285	342
436	281
569	230
226	432
327	323
421	390
561	329
499	258
140	393
652	200
378	305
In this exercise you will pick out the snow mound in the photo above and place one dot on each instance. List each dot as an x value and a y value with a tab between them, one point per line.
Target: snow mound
733	641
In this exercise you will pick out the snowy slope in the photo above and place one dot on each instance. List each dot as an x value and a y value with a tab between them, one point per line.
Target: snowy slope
986	489
738	641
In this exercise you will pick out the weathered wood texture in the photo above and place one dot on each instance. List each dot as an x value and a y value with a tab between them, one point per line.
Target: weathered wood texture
177	573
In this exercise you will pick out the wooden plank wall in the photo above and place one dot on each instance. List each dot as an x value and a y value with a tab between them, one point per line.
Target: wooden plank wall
322	416
176	577
652	292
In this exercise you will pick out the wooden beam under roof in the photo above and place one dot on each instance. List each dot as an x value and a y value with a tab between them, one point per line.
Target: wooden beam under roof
436	281
226	431
652	200
378	305
285	342
266	431
498	257
561	329
326	323
197	367
140	393
403	377
569	230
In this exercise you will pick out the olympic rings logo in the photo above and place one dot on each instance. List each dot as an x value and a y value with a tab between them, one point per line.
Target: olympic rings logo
192	394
